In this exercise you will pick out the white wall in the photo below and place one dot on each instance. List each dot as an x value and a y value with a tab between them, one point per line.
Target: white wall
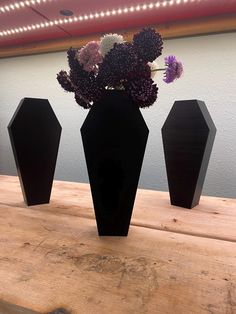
210	75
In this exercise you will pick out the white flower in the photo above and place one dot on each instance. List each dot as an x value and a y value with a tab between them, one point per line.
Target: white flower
153	66
108	41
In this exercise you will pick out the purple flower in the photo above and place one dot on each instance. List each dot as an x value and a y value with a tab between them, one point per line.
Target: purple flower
81	101
89	88
72	61
84	84
65	81
174	69
76	70
148	44
142	91
89	56
117	64
142	70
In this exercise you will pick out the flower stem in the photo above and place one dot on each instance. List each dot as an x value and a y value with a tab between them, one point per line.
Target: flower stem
160	69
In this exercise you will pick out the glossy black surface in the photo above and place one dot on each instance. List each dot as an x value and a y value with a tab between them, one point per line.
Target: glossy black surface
114	137
35	135
188	135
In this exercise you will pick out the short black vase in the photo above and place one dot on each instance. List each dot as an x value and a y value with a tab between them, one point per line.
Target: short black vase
35	135
114	137
188	135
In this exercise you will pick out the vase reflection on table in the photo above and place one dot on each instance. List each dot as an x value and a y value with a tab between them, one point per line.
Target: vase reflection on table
113	78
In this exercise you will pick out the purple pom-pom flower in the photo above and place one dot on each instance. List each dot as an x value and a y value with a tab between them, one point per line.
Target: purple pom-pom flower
117	65
142	91
65	81
148	44
174	69
81	101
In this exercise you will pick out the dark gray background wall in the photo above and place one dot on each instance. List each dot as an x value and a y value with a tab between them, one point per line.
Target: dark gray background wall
210	75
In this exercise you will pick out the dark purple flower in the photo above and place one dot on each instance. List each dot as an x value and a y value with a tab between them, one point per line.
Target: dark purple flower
142	91
142	70
174	69
72	60
84	83
117	64
81	101
65	81
89	88
76	69
148	44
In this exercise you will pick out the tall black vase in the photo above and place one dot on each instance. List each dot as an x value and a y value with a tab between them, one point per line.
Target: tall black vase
188	135
114	137
35	135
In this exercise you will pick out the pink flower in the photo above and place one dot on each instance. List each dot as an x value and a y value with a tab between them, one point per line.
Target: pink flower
89	56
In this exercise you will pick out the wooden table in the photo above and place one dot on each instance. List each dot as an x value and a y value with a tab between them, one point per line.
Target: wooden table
174	261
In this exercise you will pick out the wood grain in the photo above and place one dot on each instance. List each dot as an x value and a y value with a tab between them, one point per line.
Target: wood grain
53	262
49	260
212	218
212	25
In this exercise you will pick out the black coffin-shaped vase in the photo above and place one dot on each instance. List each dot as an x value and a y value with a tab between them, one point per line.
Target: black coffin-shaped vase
114	137
188	135
35	135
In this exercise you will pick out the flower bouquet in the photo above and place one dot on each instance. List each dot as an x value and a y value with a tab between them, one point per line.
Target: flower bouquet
112	63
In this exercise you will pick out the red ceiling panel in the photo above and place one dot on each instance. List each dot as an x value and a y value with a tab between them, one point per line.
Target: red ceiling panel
50	10
151	17
84	6
33	37
24	17
16	18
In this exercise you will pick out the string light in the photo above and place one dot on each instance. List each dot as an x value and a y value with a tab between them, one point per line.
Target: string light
86	17
20	4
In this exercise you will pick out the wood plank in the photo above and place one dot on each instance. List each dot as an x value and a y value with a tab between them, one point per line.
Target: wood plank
213	218
49	260
203	26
